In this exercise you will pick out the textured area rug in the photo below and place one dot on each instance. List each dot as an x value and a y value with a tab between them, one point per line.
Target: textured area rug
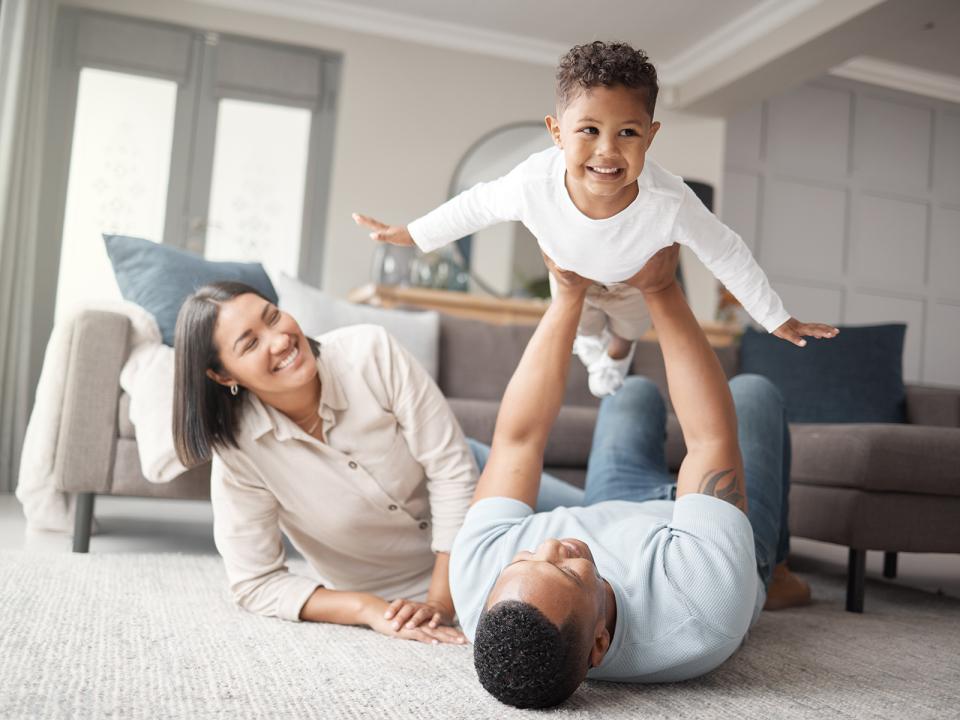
155	636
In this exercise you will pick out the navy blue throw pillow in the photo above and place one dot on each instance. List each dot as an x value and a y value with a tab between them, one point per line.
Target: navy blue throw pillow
159	277
855	377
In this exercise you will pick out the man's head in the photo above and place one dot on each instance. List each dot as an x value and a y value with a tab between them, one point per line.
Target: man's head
606	94
544	625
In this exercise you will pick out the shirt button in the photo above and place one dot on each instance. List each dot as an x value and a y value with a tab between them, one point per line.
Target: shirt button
352	465
423	525
391	507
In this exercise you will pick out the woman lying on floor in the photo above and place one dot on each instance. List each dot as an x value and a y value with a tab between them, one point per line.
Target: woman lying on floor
344	445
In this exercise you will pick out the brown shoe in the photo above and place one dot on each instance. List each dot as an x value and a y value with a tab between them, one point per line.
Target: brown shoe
786	590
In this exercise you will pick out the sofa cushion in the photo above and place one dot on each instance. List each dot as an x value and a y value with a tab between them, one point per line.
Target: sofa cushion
878	457
477	360
854	377
569	442
648	362
159	277
317	312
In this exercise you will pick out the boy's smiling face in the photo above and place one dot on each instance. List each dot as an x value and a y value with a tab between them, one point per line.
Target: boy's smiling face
604	134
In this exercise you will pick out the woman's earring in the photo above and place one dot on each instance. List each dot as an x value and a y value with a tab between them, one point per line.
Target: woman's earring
234	389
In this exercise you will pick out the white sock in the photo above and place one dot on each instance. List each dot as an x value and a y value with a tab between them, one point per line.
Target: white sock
606	375
590	348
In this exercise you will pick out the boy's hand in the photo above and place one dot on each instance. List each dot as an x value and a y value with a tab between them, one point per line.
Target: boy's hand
794	331
393	234
660	271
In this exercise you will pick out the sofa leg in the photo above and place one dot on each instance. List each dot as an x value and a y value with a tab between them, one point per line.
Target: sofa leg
82	523
890	565
856	572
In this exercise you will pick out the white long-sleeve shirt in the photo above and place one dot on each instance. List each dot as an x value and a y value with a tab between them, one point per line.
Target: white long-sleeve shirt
613	249
369	507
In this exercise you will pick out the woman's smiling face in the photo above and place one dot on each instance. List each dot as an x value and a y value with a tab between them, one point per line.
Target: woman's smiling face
261	348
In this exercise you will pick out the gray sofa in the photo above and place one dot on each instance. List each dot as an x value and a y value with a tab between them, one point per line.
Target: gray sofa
892	488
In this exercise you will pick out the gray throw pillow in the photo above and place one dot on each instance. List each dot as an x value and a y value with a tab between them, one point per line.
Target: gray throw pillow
317	312
856	377
159	277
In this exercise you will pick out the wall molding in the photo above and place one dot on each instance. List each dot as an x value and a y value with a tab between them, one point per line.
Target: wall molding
718	45
732	37
401	26
900	77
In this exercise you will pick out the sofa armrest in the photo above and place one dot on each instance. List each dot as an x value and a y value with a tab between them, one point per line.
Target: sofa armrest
87	438
933	406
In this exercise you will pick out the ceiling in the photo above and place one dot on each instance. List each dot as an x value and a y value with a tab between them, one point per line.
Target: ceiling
662	29
933	46
711	55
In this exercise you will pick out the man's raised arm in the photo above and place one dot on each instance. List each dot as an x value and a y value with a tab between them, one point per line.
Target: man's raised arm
533	397
698	388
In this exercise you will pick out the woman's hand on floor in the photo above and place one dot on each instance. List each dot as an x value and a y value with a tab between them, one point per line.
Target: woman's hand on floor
411	613
396	620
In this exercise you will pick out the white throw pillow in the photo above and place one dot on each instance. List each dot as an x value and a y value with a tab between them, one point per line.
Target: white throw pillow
317	312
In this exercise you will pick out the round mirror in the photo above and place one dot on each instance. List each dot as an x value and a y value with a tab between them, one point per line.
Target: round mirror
503	259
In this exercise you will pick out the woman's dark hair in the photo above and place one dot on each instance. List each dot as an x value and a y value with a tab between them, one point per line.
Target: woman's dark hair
205	413
607	64
524	660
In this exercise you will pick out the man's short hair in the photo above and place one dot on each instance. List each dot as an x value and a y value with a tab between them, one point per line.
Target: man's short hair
524	660
607	64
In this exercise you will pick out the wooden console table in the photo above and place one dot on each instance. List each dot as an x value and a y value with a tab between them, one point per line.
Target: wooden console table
501	311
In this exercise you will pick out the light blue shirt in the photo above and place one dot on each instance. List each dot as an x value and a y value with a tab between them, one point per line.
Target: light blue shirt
684	574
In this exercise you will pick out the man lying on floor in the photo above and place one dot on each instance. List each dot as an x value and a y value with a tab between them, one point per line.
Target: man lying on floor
627	588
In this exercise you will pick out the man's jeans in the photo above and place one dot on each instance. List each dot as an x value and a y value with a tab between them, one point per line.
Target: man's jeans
628	462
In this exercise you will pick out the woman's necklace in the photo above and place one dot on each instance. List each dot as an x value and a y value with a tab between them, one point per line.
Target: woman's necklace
314	426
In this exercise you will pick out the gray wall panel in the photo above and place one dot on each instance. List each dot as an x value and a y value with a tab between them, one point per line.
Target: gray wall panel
808	131
803	228
820	303
740	203
942	356
945	252
859	211
889	241
745	135
946	156
892	143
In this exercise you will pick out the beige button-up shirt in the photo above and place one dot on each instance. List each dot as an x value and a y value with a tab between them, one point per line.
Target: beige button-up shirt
369	507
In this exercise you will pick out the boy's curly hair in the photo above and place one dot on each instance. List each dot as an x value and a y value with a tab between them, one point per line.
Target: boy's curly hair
607	64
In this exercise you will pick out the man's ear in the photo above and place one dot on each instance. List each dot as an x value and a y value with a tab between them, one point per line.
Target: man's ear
652	134
221	379
601	643
553	127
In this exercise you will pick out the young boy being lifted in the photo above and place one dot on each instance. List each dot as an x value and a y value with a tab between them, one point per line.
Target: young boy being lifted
599	208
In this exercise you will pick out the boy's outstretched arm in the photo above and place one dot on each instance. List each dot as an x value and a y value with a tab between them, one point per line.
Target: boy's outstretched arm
533	398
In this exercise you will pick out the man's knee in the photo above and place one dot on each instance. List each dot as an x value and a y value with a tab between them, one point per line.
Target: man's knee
638	393
755	389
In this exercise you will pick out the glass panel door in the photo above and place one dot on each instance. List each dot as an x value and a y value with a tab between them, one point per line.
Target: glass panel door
258	184
119	174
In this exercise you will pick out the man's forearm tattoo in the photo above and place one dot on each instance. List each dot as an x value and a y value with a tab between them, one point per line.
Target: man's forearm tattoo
722	484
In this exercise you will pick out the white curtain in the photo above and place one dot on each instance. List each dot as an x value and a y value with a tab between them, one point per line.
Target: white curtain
26	32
